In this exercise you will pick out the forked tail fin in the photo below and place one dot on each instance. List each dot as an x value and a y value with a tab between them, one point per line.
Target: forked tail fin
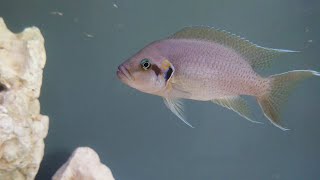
277	94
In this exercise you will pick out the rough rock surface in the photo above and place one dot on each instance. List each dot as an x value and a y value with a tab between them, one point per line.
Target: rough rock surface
22	127
84	164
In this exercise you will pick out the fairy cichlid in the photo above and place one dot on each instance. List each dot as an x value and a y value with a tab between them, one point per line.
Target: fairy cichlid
207	64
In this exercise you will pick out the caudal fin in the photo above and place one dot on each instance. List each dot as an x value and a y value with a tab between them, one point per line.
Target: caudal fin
277	94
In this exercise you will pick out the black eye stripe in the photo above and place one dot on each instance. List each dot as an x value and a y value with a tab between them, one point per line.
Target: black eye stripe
156	69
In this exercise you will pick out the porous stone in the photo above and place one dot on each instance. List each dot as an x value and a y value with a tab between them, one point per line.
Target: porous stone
84	164
22	127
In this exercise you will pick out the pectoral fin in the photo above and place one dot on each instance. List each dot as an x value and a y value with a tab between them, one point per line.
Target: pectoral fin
238	105
176	106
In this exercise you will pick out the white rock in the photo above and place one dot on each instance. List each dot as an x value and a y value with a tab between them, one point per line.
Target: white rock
84	164
22	127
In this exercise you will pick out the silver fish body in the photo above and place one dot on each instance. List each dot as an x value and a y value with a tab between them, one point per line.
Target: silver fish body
210	70
207	64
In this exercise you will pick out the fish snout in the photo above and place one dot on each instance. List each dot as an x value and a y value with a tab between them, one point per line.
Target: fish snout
124	73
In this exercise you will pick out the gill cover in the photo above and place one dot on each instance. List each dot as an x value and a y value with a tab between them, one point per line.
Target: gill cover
168	70
174	104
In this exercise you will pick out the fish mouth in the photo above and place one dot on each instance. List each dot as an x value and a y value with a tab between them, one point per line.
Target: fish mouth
123	73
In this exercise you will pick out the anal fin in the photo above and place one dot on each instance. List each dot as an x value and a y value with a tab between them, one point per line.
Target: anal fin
238	105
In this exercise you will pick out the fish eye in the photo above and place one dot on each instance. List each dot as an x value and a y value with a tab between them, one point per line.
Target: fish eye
145	64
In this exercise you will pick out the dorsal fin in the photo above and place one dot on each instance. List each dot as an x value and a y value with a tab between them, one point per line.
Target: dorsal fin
258	57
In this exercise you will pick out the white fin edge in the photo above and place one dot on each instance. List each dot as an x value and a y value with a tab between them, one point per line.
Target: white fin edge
315	73
281	50
275	124
176	106
238	105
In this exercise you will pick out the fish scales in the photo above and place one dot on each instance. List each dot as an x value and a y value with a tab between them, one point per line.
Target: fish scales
206	64
219	71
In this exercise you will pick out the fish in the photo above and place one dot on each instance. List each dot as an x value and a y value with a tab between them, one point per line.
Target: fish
208	64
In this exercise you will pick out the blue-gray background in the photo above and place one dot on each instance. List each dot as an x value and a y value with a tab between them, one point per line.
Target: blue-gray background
134	133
